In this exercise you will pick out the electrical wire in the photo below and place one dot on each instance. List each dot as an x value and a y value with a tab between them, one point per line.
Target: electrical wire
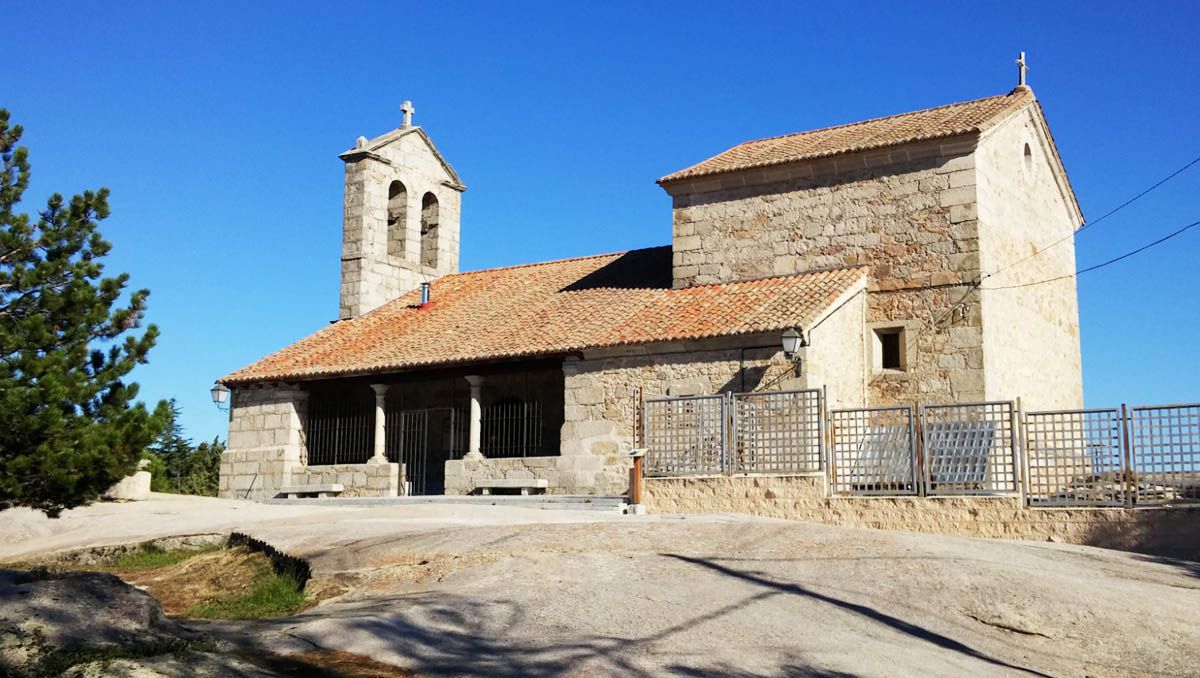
1114	260
1106	215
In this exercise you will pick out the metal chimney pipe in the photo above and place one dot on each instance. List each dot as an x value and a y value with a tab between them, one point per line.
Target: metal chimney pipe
424	293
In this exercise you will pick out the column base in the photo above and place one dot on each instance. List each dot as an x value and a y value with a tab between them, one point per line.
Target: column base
474	456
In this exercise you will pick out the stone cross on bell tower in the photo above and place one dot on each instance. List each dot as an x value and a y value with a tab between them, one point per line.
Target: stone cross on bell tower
400	223
1022	69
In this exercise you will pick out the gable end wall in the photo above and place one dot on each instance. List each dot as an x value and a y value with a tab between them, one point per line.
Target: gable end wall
1030	334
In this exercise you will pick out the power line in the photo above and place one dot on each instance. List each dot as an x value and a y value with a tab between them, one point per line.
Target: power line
976	284
1114	260
1106	215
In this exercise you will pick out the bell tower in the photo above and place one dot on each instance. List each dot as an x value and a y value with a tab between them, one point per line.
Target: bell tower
401	217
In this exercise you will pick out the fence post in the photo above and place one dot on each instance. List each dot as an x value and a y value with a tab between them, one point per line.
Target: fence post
919	448
635	481
824	440
830	434
1023	457
1127	477
728	432
1017	423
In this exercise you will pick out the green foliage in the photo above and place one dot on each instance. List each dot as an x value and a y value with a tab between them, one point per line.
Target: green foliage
179	467
69	424
149	558
272	595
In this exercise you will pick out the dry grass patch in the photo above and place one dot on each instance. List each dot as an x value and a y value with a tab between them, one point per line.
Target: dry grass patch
232	583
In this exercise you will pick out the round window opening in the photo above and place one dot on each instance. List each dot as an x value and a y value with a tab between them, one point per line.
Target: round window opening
1028	160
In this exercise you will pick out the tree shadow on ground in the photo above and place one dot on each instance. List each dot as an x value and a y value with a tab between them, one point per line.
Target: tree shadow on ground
1188	567
440	635
907	628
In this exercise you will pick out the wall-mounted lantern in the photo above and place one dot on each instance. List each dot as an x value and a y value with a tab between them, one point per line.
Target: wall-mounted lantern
220	396
793	340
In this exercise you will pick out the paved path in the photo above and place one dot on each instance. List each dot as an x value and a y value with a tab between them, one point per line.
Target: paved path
485	591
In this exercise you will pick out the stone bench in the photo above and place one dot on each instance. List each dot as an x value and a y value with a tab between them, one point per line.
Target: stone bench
320	491
525	485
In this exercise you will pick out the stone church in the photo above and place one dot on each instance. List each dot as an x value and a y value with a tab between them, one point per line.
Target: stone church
895	250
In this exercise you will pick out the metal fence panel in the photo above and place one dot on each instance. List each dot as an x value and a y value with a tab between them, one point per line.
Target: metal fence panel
340	427
874	452
1165	453
777	432
685	436
969	448
1075	458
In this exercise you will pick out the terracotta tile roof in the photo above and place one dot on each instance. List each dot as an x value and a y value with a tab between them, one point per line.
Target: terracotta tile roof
552	308
932	123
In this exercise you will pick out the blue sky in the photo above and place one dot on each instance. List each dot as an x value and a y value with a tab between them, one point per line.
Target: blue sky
217	128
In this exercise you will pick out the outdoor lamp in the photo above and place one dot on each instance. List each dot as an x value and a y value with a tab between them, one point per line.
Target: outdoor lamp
793	341
220	395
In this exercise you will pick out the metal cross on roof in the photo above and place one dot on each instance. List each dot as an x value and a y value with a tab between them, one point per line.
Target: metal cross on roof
408	110
1022	69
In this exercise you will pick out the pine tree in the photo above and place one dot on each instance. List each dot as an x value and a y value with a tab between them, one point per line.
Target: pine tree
174	450
69	423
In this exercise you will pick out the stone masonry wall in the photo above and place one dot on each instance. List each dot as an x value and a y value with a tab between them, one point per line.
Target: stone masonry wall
266	450
463	475
265	441
602	393
1031	333
370	275
359	480
908	212
1172	532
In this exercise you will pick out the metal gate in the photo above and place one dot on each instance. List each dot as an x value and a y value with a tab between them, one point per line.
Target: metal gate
764	432
777	432
874	452
970	448
422	440
1164	453
1075	458
685	436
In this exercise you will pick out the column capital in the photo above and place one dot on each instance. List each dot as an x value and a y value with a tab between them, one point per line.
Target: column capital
474	380
380	389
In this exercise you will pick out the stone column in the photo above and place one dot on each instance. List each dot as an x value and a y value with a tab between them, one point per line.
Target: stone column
380	456
476	426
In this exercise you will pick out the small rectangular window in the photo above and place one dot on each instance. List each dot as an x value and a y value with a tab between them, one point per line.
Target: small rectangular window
890	349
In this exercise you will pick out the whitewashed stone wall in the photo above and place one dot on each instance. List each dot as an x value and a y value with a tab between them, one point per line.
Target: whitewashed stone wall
1030	334
371	276
836	355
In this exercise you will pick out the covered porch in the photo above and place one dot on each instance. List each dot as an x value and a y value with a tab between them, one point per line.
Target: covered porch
422	420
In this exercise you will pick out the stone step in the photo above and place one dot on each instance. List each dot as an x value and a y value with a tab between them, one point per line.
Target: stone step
561	502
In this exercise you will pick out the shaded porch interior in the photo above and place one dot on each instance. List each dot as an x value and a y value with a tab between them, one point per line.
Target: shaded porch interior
427	418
